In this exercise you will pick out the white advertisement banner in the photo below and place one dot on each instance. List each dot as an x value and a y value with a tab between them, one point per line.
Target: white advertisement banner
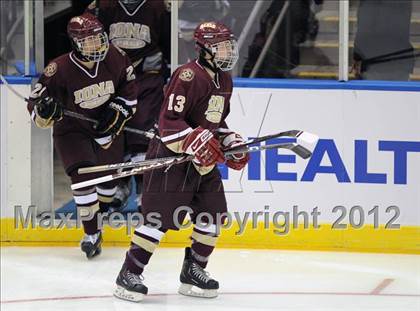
365	165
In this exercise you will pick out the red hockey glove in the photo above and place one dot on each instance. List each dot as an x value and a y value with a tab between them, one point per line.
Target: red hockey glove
202	144
235	161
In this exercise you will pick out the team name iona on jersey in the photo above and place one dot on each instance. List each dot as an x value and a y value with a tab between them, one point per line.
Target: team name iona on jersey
94	95
129	35
215	109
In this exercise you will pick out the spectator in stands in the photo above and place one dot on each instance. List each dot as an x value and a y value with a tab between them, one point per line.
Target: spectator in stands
298	25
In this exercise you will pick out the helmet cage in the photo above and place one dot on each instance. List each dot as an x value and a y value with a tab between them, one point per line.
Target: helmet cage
92	48
225	54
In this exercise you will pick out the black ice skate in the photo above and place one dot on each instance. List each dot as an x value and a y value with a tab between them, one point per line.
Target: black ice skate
195	281
130	286
92	244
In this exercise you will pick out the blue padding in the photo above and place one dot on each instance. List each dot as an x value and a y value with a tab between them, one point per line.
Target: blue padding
20	67
327	84
17	80
297	84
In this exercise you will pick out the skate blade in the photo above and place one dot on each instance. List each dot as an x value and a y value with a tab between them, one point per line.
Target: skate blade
194	291
92	253
122	293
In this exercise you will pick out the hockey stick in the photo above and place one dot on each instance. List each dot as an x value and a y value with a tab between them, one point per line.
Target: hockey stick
79	116
144	166
301	151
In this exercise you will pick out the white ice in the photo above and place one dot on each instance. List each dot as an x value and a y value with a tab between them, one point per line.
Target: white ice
55	278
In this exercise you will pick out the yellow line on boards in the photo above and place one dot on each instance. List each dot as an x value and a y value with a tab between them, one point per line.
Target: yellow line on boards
366	239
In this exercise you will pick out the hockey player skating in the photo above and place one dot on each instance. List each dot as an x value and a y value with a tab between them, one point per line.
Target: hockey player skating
96	80
192	121
142	29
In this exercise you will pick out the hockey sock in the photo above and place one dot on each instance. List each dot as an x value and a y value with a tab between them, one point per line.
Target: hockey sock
143	243
204	240
105	197
87	203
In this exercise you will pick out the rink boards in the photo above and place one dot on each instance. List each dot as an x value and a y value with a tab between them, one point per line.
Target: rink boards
359	191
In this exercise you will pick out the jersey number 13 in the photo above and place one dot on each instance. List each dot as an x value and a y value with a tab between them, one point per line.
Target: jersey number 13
178	106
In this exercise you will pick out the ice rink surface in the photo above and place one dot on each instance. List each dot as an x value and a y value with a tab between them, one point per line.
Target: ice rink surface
61	278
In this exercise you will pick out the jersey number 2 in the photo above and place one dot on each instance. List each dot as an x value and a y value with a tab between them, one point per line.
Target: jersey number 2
179	105
37	91
130	74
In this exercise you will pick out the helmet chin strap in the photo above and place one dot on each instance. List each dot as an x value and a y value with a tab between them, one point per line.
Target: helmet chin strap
80	56
208	63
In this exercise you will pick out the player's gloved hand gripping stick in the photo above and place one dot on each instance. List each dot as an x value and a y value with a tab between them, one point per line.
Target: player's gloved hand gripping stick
49	109
116	114
205	148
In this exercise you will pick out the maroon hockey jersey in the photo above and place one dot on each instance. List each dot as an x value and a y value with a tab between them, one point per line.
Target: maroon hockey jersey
141	33
85	91
194	99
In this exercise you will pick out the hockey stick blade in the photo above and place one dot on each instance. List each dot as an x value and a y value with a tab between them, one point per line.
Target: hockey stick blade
301	151
302	137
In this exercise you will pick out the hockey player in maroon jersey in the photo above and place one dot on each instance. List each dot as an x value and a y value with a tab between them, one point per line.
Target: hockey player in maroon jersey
142	29
97	80
192	121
